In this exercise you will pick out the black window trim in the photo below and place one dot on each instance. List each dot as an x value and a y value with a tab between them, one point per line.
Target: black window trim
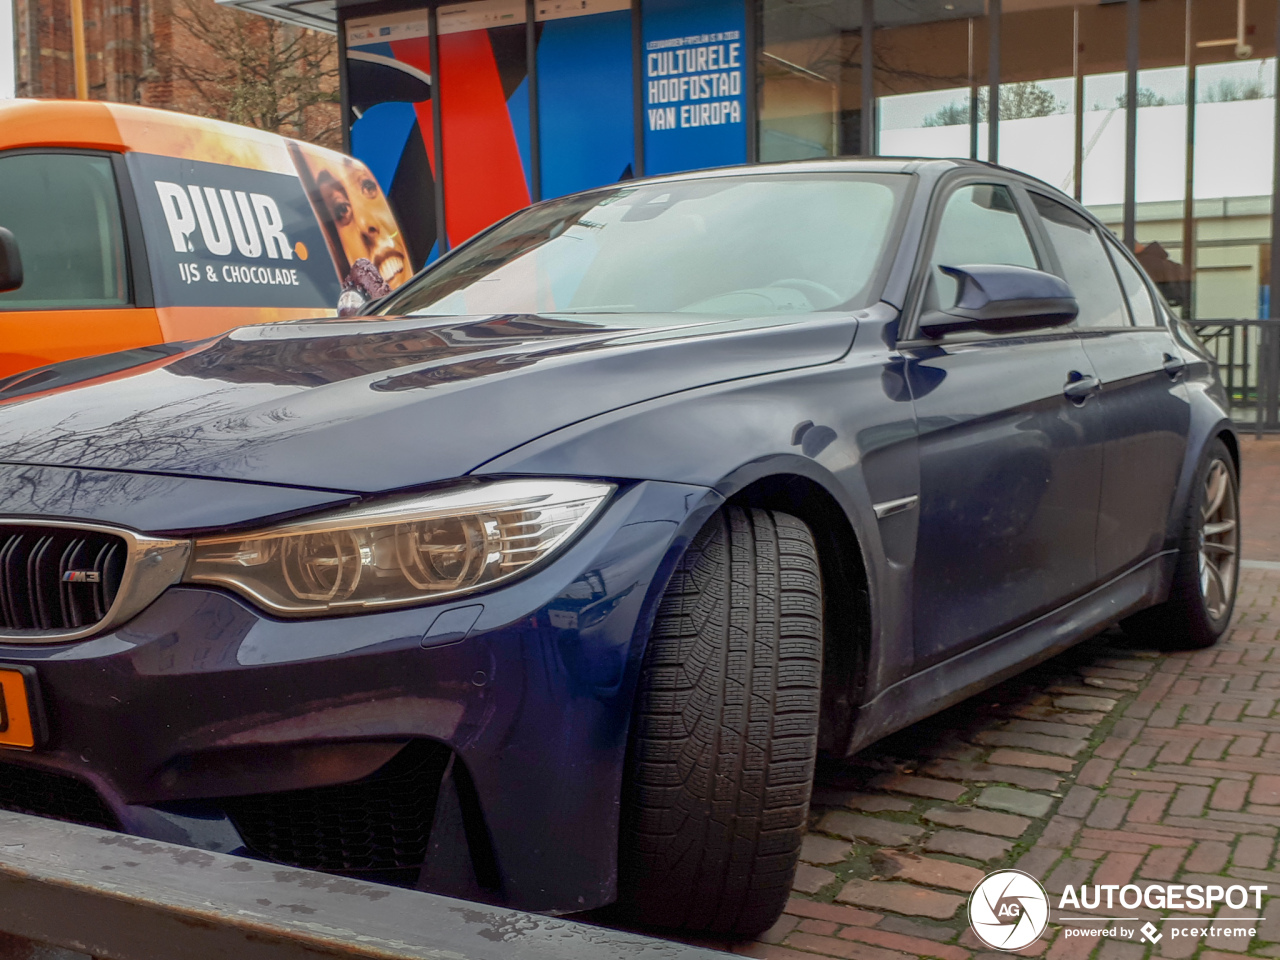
1118	249
139	258
137	270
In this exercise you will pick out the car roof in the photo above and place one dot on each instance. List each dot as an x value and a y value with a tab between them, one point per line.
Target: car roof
933	167
930	168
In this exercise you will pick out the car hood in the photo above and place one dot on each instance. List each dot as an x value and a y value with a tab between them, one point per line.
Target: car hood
376	404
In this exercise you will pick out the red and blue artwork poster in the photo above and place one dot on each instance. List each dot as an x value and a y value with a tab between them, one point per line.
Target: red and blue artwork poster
480	88
391	93
484	95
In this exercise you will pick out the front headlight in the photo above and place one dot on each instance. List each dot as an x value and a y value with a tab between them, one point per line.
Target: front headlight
401	551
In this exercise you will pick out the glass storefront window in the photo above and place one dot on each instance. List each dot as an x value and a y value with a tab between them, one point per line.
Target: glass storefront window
1037	97
1162	139
1233	157
1100	64
585	130
1160	153
801	91
930	124
930	78
1102	145
1037	129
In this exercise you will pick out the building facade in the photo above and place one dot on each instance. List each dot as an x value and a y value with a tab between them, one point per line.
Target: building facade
121	39
189	55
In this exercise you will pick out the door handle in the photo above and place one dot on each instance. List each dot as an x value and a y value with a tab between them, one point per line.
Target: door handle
1174	366
1080	388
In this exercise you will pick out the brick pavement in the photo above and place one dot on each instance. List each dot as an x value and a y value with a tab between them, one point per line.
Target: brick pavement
1108	764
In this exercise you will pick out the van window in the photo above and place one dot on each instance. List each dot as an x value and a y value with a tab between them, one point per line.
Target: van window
64	212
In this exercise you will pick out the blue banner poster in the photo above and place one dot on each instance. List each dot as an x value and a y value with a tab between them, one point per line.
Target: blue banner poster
695	84
585	94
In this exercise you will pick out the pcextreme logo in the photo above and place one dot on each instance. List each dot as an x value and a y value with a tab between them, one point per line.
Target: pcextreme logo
1008	910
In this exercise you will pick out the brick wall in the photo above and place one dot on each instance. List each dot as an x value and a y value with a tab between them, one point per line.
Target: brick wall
133	48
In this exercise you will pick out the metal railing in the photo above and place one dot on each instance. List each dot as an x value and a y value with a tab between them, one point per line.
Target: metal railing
117	897
1248	354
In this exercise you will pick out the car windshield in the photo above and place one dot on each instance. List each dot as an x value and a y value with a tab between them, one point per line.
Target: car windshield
744	245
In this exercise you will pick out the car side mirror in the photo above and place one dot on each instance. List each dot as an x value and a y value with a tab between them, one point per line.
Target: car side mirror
10	262
998	298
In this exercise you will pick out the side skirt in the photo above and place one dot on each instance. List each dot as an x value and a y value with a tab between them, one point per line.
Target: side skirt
944	684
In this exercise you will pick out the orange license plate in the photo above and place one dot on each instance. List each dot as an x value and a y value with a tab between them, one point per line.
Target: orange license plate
17	728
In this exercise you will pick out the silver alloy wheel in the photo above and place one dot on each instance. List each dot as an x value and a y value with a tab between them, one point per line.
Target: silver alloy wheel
1219	540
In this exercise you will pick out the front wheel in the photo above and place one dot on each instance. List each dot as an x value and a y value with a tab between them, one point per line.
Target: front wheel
725	732
1203	592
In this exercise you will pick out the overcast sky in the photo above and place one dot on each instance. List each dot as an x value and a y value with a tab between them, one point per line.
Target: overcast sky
6	48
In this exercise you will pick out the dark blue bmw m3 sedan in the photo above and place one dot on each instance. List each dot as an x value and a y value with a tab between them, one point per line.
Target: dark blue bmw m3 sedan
547	583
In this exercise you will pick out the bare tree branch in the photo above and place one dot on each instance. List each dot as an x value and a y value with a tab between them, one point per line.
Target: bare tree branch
256	71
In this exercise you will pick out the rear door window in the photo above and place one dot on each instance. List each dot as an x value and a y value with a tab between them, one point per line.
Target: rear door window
1085	264
1140	303
64	211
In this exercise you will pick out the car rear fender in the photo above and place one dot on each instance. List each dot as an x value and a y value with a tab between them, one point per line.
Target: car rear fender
1209	419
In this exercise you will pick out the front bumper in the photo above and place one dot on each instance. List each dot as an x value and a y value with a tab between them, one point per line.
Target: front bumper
202	706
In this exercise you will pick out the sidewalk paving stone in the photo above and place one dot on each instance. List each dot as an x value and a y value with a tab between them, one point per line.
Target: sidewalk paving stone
851	826
984	821
925	870
1016	758
974	846
912	945
1014	801
811	879
819	849
918	786
1084	702
900	898
990	773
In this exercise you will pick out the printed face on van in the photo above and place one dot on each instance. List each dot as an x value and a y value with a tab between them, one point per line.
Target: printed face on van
360	220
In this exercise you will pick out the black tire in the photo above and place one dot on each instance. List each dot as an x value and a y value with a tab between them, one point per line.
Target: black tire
725	732
1190	620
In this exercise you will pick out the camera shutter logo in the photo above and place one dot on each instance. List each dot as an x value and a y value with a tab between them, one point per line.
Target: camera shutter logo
1008	910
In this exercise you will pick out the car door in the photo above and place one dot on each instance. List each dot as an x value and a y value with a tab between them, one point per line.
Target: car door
1010	465
78	297
1145	412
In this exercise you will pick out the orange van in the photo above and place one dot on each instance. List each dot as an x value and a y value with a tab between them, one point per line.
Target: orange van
128	226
